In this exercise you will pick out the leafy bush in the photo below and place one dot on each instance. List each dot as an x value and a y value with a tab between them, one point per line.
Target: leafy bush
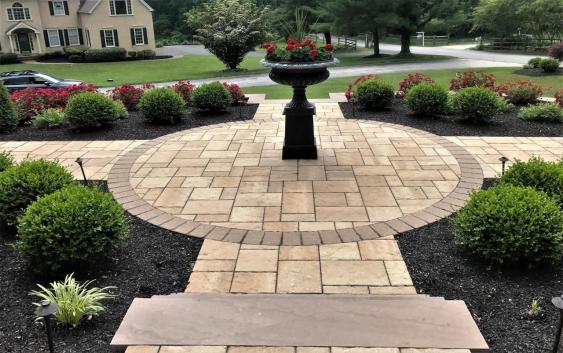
91	110
8	115
410	81
476	103
542	112
520	92
549	65
472	79
354	84
75	300
375	94
24	183
105	55
76	58
8	58
129	95
509	224
162	105
132	54
427	99
185	90
237	95
539	174
50	118
559	97
211	97
6	161
556	51
122	112
148	53
74	226
534	63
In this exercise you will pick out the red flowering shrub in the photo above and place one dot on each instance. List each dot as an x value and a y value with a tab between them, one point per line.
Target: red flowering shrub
184	89
352	86
129	95
294	51
473	79
33	101
556	51
520	92
410	81
237	95
559	97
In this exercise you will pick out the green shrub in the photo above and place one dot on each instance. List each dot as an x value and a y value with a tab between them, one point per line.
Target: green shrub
374	94
8	115
74	226
542	112
76	50
427	99
6	161
476	103
539	174
211	97
160	105
8	58
105	55
534	63
132	54
24	183
49	118
76	58
149	54
510	224
549	65
74	300
121	110
91	110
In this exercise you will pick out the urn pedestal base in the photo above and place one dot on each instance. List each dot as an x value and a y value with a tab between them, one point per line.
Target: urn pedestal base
299	142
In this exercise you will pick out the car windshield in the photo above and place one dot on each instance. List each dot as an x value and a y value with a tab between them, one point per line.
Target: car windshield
47	78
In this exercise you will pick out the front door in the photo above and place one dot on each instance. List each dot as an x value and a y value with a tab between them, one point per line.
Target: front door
23	41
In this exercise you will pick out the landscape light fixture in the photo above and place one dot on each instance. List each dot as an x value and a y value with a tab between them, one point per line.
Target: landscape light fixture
503	160
80	162
45	311
558	302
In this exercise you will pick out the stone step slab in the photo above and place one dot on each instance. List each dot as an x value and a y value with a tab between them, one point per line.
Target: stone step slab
299	320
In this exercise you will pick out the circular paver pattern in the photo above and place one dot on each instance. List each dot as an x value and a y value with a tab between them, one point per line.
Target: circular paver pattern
228	182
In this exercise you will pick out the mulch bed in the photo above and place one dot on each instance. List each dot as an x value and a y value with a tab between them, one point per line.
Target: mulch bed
131	128
498	298
507	124
154	261
538	72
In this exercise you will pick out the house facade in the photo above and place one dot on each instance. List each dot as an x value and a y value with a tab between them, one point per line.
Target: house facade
31	27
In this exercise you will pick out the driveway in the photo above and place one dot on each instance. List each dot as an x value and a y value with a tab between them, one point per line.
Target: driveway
195	49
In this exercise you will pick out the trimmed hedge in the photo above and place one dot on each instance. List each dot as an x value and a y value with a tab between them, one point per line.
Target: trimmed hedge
476	103
105	55
8	58
162	105
427	99
91	110
211	97
8	114
375	94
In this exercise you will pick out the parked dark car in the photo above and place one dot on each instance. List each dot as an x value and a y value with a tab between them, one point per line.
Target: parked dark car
18	80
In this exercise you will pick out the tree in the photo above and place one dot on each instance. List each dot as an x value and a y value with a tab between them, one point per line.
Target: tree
8	117
498	17
229	28
169	20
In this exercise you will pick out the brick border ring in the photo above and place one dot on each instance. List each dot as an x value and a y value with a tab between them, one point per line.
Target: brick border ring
119	184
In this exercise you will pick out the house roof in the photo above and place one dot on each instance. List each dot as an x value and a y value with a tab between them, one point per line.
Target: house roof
88	6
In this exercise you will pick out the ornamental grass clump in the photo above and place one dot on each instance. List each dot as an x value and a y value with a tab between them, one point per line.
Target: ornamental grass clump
73	227
75	300
374	94
511	225
162	105
427	99
550	112
50	118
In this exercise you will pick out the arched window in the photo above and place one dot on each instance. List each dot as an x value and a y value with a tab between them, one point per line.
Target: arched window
18	13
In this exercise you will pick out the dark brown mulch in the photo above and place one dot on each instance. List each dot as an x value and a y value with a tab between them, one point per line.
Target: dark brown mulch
538	72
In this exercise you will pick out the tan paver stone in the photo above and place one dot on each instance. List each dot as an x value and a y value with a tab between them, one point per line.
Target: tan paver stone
173	197
257	260
313	350
217	250
206	194
225	182
335	186
380	250
330	199
311	173
434	350
398	273
209	282
394	290
254	282
298	203
281	226
247	214
259	199
142	349
261	350
364	350
299	277
409	193
378	196
214	265
344	251
341	214
345	289
349	273
310	252
382	214
297	186
193	349
253	187
208	207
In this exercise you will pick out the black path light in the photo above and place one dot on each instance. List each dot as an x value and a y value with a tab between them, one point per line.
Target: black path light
503	160
45	310
558	302
80	162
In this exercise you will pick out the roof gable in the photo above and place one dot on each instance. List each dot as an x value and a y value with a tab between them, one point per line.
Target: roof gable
89	6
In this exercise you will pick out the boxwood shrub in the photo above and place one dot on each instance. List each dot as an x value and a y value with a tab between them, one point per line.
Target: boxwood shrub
476	103
8	58
6	161
91	110
549	65
542	112
211	97
72	227
374	94
105	55
162	105
511	224
24	183
427	99
539	174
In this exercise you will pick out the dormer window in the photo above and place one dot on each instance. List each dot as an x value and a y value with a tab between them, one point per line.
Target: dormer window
18	13
120	7
58	8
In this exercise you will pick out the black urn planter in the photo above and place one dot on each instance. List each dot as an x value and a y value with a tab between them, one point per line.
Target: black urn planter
299	141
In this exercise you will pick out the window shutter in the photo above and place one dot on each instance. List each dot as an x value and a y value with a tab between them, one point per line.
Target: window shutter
103	37
46	36
145	36
115	37
61	37
80	37
66	7
67	40
132	30
51	9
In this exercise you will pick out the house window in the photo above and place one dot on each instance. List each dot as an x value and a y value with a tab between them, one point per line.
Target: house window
73	36
139	33
54	39
59	8
120	7
18	13
109	38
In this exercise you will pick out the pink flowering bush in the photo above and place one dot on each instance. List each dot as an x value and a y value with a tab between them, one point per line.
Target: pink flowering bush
237	95
410	81
185	90
352	86
473	79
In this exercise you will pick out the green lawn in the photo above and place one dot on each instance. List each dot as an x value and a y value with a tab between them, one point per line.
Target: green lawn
550	83
191	67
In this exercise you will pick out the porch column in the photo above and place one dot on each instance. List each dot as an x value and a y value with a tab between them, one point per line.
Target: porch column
10	38
39	46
